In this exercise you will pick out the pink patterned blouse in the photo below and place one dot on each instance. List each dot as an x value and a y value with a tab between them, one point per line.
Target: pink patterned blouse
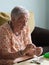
10	43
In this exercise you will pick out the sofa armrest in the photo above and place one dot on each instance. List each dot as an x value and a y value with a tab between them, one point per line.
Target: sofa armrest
40	37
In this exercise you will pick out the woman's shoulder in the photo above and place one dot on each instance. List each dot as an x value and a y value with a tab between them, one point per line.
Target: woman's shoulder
5	29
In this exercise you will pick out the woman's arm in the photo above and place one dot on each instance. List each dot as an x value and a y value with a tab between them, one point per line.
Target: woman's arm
5	47
31	49
27	38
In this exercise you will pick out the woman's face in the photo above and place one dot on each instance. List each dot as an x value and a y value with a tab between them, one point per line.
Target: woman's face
21	21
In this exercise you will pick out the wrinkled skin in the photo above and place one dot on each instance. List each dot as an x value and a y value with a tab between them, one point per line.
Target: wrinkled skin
32	50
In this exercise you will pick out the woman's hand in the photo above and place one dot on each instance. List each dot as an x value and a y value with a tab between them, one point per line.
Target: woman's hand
30	50
39	51
31	46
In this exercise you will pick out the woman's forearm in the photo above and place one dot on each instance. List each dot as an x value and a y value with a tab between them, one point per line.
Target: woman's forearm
10	55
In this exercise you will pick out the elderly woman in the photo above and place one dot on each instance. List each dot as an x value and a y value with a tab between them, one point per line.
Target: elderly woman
15	38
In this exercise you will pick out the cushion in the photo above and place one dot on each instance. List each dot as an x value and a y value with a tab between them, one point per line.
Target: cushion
4	17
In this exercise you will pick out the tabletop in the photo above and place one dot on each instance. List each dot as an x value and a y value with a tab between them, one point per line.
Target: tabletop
44	61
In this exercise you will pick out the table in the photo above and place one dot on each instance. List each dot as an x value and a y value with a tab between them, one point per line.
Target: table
28	62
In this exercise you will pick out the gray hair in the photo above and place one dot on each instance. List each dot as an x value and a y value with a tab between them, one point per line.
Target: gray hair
16	11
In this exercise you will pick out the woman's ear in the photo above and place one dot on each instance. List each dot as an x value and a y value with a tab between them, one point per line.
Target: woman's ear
12	18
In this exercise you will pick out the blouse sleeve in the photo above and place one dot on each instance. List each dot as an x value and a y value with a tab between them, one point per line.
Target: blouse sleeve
4	42
27	36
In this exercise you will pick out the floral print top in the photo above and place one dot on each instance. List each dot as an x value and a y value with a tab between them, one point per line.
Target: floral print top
10	43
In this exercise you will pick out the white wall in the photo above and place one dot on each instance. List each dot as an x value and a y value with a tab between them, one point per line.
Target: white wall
37	6
47	14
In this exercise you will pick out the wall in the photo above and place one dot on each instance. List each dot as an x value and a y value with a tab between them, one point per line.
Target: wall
37	6
47	14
